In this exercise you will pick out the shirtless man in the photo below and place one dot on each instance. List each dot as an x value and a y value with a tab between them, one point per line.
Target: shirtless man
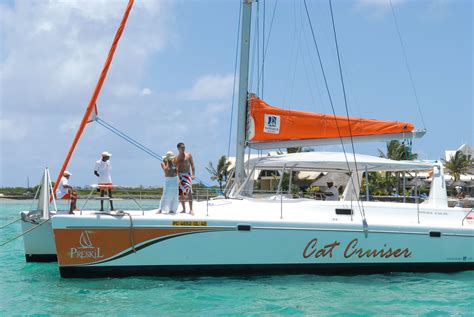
186	173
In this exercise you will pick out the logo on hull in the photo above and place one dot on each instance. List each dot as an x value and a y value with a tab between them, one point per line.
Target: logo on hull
86	249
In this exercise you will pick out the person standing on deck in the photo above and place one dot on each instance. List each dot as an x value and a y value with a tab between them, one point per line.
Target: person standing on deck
169	199
66	191
186	174
102	171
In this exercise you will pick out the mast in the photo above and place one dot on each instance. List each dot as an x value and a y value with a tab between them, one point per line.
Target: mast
95	94
243	88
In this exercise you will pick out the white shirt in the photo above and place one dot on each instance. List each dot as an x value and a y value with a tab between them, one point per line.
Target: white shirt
103	168
61	190
335	194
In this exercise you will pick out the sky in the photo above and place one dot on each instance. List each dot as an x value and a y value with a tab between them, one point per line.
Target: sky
172	77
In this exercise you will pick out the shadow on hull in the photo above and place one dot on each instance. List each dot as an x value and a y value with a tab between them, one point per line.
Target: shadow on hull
263	269
41	258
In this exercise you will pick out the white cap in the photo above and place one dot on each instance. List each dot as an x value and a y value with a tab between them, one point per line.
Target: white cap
105	153
66	173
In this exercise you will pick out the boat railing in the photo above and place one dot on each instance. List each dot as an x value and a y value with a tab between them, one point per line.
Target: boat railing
466	216
102	198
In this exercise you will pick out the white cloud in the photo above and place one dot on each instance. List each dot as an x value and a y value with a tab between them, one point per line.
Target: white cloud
51	55
378	3
376	8
210	87
56	49
438	9
69	126
12	130
146	92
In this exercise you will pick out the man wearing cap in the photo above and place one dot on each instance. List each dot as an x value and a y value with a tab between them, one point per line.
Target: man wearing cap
102	171
332	193
66	191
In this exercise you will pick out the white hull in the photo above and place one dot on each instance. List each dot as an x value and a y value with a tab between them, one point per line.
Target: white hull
39	242
242	236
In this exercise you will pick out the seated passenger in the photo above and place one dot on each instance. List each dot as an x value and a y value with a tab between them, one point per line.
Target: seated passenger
66	191
331	193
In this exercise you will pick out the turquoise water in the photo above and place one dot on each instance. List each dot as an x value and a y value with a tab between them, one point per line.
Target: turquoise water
27	289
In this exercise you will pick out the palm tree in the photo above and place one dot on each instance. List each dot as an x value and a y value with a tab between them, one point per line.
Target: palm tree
459	164
396	151
221	172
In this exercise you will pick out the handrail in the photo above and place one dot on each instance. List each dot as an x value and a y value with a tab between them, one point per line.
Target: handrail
115	186
465	217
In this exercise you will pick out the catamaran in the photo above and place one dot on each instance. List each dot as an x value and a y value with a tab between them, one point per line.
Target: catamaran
246	231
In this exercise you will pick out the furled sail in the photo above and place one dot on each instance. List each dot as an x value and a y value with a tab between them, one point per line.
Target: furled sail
271	127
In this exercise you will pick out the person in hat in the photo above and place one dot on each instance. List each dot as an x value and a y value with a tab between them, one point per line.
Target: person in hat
169	199
331	193
102	171
66	191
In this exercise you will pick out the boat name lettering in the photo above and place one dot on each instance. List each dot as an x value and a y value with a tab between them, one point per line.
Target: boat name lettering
312	250
190	223
352	250
79	253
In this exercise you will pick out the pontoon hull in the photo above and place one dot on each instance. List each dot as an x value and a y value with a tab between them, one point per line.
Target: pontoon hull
200	247
39	242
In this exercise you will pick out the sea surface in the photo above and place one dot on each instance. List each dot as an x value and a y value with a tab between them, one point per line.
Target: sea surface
37	289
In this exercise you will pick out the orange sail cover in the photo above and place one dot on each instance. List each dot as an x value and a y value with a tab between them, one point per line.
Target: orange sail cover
269	124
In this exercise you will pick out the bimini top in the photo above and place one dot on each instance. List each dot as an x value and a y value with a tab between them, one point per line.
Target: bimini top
334	161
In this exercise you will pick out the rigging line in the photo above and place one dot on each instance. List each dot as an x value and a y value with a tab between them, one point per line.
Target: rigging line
330	99
345	98
252	67
128	139
293	60
268	41
408	67
235	80
258	47
263	46
310	86
11	222
313	69
137	144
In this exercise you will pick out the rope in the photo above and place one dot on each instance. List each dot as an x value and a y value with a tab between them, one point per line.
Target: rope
235	79
263	46
12	222
346	106
139	145
25	232
128	139
408	67
257	31
268	40
121	213
330	99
